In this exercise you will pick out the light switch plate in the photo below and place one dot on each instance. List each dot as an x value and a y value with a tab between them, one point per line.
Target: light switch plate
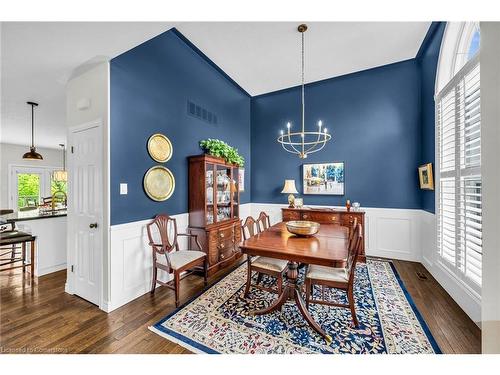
123	189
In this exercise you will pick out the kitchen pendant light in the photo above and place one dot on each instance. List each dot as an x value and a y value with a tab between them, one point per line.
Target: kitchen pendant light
303	142
63	174
32	154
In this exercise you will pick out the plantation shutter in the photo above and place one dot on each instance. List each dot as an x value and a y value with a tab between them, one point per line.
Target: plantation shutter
458	119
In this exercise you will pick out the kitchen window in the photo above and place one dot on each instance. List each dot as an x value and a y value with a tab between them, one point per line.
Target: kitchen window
29	185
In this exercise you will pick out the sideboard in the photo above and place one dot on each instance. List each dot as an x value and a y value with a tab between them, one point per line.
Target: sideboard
327	216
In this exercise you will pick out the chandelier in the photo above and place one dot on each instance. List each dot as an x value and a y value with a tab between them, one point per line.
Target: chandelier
303	143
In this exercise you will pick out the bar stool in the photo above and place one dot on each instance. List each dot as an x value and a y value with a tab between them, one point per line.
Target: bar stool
9	240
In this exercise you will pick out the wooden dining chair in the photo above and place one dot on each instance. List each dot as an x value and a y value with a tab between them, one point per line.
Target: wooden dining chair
162	233
263	221
339	278
262	265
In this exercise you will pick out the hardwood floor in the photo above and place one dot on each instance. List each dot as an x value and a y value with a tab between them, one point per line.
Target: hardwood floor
42	318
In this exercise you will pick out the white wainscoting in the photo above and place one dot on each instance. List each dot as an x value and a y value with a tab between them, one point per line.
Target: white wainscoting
131	259
389	233
467	299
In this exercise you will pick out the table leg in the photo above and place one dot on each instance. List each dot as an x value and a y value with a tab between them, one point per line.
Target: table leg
309	319
292	291
282	298
23	255
32	260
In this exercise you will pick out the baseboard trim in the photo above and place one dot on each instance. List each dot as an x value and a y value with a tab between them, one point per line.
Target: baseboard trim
47	270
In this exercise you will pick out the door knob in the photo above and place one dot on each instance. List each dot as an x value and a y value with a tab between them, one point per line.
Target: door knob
93	225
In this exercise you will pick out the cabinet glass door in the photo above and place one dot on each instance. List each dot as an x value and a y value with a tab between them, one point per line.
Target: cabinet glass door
223	193
235	196
209	194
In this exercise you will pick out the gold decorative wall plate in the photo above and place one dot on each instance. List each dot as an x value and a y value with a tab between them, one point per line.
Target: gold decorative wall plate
159	183
160	148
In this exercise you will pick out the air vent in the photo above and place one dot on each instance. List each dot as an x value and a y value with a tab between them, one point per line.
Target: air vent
201	113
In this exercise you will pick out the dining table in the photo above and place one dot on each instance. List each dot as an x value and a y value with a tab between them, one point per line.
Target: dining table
328	247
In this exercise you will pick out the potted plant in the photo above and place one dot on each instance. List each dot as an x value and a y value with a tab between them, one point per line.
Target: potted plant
221	149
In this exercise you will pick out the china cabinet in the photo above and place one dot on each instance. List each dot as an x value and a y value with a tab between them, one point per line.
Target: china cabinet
214	209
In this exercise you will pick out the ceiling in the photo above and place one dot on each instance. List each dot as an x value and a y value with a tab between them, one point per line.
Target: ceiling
265	56
38	58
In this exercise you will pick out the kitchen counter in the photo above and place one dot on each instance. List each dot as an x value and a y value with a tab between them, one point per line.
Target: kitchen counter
50	250
32	215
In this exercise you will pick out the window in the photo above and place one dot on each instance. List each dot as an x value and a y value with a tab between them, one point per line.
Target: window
28	190
459	190
28	185
474	45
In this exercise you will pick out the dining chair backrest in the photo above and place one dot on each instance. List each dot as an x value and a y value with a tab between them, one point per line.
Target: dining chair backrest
352	257
263	222
249	228
162	233
352	229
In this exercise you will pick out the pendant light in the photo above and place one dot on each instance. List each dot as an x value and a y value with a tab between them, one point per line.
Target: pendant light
32	154
303	143
63	174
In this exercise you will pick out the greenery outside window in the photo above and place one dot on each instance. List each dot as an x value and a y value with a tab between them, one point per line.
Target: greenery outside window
29	185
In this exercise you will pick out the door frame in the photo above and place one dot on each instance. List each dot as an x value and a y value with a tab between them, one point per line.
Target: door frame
70	275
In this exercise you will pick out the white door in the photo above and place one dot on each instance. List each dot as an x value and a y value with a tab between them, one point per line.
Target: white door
85	211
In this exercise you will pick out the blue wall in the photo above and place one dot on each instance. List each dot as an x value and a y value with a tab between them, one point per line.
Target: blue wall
150	86
374	116
382	121
428	58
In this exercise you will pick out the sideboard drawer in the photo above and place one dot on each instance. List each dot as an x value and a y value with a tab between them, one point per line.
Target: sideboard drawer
348	219
291	215
322	217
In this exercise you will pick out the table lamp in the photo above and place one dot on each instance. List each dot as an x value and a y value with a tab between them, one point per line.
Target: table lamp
290	189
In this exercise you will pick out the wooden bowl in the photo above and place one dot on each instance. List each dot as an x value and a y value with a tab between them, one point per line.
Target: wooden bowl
302	227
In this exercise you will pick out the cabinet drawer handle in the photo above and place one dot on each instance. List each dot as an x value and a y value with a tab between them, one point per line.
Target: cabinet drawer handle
305	216
221	235
222	256
220	246
333	218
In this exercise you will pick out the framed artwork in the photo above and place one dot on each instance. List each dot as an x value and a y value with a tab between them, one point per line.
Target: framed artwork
241	179
323	178
425	177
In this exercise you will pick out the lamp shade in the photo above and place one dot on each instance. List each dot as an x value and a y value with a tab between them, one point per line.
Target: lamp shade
32	154
60	176
289	187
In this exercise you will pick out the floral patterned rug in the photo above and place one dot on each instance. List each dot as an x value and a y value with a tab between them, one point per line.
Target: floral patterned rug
219	320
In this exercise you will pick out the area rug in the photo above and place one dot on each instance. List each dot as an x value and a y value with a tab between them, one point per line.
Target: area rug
219	320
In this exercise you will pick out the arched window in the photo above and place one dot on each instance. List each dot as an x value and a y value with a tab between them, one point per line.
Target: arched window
461	42
474	44
458	159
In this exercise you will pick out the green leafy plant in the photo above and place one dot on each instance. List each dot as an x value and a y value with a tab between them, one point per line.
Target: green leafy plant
221	149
